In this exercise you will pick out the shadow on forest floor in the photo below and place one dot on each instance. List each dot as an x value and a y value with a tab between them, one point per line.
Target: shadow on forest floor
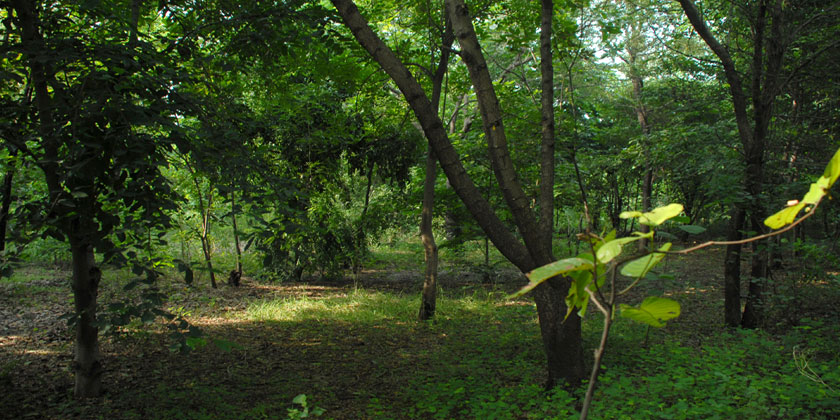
355	348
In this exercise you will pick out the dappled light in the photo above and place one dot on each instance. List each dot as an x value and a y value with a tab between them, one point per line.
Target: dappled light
263	209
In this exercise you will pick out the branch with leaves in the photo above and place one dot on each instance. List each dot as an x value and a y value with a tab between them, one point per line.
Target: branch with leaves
589	271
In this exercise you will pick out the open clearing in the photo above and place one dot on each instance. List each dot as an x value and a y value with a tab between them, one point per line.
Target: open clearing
356	350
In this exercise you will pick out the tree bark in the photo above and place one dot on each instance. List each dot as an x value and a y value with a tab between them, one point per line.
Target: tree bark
429	295
86	276
235	233
547	158
766	67
494	131
433	128
732	270
561	339
7	203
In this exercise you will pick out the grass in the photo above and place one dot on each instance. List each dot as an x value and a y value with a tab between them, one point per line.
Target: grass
357	351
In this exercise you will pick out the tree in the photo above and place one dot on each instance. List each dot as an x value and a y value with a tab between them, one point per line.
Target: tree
104	111
777	30
562	340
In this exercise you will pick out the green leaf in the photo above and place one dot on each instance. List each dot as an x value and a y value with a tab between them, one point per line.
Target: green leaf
640	266
612	249
300	399
832	170
784	216
692	229
653	311
548	271
681	219
656	216
817	191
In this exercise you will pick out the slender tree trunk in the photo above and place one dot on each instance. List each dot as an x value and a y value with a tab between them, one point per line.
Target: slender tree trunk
86	276
204	210
429	296
547	143
7	203
641	116
428	300
205	241
732	270
235	233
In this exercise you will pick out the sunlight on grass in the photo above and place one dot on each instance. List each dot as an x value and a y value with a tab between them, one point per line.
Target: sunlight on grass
357	306
366	306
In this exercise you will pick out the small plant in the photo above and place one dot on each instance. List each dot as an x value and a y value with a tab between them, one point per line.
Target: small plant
303	412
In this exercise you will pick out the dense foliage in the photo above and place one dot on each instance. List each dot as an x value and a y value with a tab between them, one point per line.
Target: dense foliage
152	146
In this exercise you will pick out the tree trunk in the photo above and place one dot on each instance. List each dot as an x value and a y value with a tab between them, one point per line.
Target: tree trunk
732	270
641	116
7	203
235	233
562	339
87	364
205	239
547	159
429	296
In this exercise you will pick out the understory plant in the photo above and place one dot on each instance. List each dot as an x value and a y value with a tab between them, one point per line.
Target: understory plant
590	271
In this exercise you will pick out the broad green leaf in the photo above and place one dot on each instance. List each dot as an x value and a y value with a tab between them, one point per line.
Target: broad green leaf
681	219
653	311
578	296
659	215
630	214
817	191
692	229
656	216
612	249
784	216
548	271
640	266
832	171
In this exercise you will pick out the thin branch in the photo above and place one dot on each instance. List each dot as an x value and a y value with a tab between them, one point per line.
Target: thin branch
748	240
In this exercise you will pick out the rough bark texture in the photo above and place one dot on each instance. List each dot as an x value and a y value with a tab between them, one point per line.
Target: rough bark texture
561	339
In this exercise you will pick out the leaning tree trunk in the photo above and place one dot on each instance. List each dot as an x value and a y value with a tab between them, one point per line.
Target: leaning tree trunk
562	339
87	364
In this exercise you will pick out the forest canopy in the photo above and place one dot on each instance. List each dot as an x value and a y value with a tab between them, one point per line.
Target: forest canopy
161	155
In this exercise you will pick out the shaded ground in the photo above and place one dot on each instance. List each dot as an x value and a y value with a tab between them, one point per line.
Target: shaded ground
336	346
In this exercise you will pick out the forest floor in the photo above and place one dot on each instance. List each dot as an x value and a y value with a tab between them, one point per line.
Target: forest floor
356	350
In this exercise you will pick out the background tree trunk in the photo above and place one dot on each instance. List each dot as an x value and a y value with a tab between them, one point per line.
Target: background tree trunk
7	202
